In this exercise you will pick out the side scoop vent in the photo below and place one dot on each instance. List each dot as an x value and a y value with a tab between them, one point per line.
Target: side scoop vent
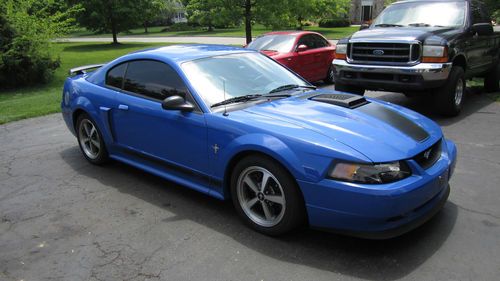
344	100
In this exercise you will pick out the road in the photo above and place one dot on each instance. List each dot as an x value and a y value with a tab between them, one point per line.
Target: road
63	219
173	39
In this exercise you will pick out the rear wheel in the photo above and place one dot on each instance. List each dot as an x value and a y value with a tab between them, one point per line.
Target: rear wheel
349	89
90	140
492	80
266	197
449	98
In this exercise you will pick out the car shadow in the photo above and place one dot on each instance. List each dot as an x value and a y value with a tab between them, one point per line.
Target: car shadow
368	259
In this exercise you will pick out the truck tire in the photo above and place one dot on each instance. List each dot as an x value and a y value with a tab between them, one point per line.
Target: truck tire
492	80
449	98
349	89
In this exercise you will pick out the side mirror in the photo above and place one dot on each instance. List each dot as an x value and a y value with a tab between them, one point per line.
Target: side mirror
302	47
482	29
176	103
364	26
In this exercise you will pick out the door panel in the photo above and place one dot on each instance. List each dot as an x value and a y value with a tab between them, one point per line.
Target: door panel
176	137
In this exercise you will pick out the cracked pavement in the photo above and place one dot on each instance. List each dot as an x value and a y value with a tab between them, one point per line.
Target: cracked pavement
64	219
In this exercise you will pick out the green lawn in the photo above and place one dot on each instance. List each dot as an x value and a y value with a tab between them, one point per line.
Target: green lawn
330	33
41	100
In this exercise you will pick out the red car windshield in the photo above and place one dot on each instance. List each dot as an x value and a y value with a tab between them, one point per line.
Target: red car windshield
278	43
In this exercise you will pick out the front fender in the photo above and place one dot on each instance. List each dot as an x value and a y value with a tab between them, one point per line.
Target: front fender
261	143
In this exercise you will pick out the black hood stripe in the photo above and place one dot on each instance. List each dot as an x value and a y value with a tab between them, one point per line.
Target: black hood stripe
396	120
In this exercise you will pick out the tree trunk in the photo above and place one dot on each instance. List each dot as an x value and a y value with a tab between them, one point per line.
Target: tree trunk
145	27
248	21
113	30
299	22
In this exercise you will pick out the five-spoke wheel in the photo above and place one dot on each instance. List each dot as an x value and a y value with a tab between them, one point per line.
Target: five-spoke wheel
90	140
266	196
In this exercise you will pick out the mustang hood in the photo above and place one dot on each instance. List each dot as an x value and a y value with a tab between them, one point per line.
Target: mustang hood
381	131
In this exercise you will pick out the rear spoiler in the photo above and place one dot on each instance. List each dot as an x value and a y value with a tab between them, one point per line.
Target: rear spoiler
82	69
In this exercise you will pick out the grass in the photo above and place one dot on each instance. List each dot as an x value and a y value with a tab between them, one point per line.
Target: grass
476	85
330	33
29	102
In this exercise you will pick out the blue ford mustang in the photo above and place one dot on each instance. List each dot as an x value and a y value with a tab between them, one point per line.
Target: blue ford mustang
234	124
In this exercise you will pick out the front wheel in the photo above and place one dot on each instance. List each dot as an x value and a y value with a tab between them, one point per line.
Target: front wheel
330	77
349	89
266	197
449	98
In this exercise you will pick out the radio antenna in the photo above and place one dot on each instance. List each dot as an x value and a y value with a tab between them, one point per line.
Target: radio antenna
225	106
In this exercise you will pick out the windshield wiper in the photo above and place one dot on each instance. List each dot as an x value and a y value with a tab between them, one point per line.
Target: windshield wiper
388	25
290	87
419	24
236	99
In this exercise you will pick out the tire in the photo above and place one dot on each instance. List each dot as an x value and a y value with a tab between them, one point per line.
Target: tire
276	216
330	77
349	89
492	80
449	98
93	148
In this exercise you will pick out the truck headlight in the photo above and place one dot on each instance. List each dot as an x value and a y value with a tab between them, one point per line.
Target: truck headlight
435	54
341	51
370	173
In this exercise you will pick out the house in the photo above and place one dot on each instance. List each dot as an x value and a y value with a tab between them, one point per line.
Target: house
365	10
179	14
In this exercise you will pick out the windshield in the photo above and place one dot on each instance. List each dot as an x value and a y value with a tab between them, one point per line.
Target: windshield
279	43
441	14
240	74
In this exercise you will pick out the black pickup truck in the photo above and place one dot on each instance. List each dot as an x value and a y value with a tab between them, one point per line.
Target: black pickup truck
417	47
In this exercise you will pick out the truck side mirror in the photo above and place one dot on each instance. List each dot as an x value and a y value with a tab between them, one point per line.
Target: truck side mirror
482	29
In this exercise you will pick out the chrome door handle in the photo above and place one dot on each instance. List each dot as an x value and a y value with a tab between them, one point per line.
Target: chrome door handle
123	107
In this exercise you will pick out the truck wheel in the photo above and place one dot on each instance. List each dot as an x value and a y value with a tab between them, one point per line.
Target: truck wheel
449	98
492	79
349	89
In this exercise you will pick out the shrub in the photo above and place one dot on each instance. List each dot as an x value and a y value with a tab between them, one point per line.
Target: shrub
180	26
26	28
334	23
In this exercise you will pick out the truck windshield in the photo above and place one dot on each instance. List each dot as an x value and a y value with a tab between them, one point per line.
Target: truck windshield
423	14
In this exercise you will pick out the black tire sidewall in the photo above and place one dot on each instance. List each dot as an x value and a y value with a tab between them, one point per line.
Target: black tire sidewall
330	79
103	153
295	214
492	79
444	103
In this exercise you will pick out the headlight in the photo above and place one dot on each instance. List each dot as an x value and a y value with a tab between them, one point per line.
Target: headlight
341	51
372	174
435	54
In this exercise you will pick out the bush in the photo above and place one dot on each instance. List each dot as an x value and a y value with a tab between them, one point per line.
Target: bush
25	33
334	23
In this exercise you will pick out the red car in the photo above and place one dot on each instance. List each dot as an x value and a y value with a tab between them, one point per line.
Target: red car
307	53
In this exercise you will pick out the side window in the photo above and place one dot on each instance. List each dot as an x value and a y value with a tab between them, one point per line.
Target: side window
153	79
307	40
320	42
114	78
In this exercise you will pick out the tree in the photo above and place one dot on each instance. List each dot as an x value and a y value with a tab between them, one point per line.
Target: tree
110	15
212	13
152	10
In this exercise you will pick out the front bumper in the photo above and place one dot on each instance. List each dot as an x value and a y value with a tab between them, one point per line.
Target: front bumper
381	211
392	78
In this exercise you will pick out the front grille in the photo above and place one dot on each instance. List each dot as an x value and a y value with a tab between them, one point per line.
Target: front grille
428	157
384	53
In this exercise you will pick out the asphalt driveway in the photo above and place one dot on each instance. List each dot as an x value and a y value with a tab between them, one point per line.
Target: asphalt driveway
64	219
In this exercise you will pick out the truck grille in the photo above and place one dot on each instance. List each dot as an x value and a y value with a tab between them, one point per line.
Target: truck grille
428	157
384	53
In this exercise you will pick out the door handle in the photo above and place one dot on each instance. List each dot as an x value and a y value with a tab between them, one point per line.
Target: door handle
123	107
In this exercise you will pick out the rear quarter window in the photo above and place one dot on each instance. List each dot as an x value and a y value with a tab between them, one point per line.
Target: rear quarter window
114	78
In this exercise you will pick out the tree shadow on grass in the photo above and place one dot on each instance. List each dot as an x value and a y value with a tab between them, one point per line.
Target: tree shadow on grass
374	260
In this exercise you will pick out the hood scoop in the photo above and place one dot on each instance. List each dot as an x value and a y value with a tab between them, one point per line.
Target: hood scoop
345	100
